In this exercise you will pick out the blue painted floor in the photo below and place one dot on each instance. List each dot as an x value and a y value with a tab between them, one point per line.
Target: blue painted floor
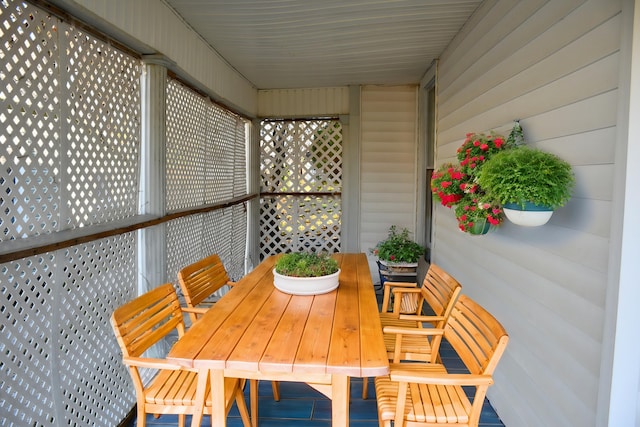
302	406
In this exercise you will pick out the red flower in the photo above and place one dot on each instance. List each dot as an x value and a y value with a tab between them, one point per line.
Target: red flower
445	184
492	220
498	142
484	147
392	257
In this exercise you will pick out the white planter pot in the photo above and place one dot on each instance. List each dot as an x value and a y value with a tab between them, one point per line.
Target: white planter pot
306	285
527	218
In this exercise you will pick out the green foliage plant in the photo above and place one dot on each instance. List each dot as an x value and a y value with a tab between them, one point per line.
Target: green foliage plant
398	247
524	174
306	264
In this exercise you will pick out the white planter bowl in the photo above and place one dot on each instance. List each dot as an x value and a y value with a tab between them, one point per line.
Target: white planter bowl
306	285
527	218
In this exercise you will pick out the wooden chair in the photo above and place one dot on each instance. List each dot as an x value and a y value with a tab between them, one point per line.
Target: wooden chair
439	291
141	323
425	394
198	282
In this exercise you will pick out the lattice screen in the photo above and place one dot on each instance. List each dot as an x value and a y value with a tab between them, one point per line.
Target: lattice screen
69	143
206	163
69	146
70	134
205	150
59	360
300	157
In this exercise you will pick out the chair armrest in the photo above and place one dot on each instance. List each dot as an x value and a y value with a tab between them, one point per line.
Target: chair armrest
398	330
401	284
437	378
197	310
417	318
405	290
146	362
230	283
390	286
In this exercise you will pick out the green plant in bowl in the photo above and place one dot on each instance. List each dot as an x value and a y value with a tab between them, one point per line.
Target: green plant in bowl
524	175
306	264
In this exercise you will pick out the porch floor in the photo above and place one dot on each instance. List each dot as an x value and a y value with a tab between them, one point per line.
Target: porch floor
302	406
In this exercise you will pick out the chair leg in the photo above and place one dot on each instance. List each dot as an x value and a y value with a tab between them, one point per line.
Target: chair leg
365	388
142	417
242	408
181	420
275	386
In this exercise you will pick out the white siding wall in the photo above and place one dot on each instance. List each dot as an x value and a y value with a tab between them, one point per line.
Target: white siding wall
555	66
152	23
388	163
312	102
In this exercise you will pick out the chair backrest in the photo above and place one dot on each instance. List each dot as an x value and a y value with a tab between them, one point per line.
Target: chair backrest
477	336
147	319
440	290
201	279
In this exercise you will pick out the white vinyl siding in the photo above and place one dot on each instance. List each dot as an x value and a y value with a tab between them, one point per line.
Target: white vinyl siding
307	103
388	162
554	66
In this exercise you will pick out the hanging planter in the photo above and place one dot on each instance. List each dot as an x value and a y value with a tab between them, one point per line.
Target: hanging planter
477	216
480	228
529	183
455	185
531	215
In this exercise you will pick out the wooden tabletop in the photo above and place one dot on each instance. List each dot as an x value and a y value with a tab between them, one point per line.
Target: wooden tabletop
257	328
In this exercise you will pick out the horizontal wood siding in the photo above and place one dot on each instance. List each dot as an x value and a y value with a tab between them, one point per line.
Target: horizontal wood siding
388	165
152	23
313	102
554	66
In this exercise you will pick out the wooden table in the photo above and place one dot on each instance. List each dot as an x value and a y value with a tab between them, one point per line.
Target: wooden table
257	332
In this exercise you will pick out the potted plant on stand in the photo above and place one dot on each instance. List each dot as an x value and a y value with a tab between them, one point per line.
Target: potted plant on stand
306	273
529	183
398	257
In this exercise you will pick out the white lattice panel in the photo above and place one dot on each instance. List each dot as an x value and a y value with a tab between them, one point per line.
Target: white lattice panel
185	153
291	223
206	161
102	130
240	160
301	156
29	122
192	238
69	135
238	241
221	140
59	361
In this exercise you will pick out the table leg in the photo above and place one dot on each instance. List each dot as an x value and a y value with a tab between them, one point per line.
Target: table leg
219	415
201	394
340	401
